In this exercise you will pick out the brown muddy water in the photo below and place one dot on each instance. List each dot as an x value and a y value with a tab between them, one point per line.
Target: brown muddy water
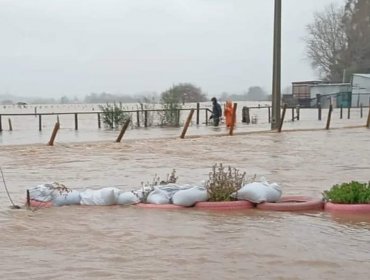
130	243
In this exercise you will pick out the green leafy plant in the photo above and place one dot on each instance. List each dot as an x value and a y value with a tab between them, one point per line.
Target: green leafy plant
349	193
223	182
114	115
171	103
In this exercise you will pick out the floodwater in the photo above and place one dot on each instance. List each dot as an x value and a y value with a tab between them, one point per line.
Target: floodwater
131	243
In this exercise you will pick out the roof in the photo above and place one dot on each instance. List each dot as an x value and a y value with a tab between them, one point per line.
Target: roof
308	82
333	84
362	75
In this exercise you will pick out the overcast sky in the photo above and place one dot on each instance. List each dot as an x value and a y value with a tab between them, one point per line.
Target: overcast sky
75	47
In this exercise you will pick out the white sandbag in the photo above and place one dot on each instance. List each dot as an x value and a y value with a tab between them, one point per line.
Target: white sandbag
66	198
128	198
188	197
158	196
42	192
105	196
258	192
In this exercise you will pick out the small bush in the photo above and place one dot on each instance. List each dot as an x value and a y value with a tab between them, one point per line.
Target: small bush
349	193
114	115
223	182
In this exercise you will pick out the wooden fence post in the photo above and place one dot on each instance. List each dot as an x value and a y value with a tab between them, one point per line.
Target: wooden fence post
368	119
293	114
187	124
269	114
146	118
138	118
282	118
54	134
298	113
319	112
76	121
329	117
40	122
28	202
198	106
1	125
231	132
99	121
361	111
349	112
10	124
206	116
341	111
123	130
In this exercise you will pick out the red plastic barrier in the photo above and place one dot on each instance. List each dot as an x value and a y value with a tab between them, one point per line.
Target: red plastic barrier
224	205
348	208
40	204
293	203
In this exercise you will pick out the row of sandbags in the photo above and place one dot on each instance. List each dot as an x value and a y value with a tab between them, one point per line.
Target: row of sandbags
181	195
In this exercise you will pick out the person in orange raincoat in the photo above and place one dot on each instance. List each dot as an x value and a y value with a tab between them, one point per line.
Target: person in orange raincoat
228	113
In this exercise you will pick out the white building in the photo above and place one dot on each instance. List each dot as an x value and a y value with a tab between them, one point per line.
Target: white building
325	94
360	90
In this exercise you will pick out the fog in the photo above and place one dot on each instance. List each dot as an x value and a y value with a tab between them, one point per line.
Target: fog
67	47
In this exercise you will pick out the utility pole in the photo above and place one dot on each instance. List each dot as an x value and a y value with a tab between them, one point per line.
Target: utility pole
276	87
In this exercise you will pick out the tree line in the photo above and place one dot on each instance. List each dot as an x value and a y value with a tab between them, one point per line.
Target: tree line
338	40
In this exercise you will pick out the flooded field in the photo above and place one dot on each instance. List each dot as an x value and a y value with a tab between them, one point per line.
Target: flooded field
131	243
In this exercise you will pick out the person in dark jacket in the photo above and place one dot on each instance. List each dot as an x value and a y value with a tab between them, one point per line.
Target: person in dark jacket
216	112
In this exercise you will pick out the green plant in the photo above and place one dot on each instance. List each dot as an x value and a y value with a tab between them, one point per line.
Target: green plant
223	182
171	103
148	187
349	193
114	115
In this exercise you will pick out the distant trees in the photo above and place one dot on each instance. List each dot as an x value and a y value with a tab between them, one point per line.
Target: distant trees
184	92
254	93
338	40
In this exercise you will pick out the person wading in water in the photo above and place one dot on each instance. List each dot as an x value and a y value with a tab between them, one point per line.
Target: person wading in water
216	112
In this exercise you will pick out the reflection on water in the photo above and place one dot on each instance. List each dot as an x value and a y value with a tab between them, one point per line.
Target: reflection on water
131	243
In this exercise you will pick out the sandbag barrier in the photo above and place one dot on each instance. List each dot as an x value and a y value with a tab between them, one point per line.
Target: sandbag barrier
179	198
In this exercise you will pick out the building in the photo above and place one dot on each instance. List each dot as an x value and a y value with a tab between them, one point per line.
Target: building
302	92
360	90
336	94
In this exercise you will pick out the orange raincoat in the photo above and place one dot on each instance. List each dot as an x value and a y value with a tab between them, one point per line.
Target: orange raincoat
228	113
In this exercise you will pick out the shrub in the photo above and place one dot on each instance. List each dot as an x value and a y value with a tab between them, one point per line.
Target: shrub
114	115
349	193
223	182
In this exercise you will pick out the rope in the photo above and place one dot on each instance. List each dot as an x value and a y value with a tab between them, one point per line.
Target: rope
6	189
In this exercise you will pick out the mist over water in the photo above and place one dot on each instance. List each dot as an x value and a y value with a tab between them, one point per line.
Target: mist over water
131	243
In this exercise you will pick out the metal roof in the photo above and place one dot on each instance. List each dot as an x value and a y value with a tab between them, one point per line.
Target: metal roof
362	75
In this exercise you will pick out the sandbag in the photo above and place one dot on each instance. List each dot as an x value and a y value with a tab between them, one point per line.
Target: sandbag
258	192
128	198
158	196
42	192
188	197
66	198
104	197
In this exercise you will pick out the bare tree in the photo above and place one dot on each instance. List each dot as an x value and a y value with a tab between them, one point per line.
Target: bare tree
326	43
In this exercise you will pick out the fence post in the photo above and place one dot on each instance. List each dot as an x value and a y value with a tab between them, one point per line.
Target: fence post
178	117
282	118
341	111
298	113
54	134
138	118
1	125
319	111
231	132
269	114
146	118
245	115
361	111
28	202
76	122
187	124
349	112
99	121
329	117
368	119
206	116
123	130
10	124
292	114
198	106
40	122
